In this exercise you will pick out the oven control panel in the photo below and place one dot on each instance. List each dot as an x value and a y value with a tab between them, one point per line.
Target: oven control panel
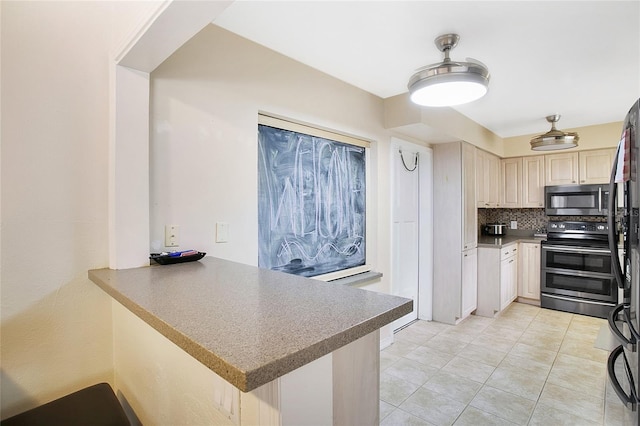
579	227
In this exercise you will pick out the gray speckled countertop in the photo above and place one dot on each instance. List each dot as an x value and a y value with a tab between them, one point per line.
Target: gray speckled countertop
248	325
498	242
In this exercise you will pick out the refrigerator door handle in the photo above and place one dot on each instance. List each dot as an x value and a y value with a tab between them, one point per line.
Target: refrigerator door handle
611	222
627	343
631	400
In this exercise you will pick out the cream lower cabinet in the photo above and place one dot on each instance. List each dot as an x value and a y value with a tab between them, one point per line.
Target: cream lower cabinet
469	282
497	279
508	277
529	271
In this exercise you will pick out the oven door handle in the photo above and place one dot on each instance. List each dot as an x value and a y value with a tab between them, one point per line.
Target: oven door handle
572	299
627	343
631	400
576	250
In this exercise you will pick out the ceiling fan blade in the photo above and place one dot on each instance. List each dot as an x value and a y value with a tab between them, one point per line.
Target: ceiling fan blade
475	61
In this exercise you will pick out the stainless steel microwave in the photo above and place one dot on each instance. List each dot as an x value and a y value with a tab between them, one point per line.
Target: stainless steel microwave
576	200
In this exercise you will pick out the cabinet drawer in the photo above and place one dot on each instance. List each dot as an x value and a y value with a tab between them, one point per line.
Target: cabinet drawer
509	251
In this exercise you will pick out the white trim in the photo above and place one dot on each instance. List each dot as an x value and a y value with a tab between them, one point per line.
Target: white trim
425	273
287	124
129	170
343	273
167	28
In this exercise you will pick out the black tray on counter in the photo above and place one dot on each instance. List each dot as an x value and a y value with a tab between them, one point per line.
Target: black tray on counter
165	259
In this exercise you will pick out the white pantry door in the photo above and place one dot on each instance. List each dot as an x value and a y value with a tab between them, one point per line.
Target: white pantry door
411	254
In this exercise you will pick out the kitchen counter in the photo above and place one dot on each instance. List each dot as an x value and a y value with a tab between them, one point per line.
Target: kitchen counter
248	325
489	241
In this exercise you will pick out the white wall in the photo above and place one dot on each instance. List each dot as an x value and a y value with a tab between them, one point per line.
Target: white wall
56	324
205	103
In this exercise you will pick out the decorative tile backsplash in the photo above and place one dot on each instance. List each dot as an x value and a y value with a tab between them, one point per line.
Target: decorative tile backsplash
528	219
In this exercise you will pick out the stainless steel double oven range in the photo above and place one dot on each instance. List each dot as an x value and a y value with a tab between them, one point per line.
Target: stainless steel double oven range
576	273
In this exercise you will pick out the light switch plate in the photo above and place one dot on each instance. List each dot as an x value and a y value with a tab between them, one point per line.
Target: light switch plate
222	232
514	224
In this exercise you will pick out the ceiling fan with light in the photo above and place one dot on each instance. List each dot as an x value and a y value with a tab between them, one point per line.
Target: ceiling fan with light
554	139
449	83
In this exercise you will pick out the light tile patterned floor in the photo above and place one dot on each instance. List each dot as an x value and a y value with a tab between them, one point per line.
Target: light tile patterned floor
529	366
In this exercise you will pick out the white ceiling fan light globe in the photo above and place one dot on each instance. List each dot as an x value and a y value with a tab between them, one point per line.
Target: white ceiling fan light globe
449	93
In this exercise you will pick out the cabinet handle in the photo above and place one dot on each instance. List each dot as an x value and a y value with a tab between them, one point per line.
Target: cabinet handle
511	261
599	198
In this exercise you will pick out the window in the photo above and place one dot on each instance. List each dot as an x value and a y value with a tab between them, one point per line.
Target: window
311	200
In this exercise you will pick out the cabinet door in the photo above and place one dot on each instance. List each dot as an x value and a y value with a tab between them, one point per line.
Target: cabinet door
493	190
469	300
513	288
510	182
505	276
481	183
529	271
561	169
469	210
533	181
508	281
595	166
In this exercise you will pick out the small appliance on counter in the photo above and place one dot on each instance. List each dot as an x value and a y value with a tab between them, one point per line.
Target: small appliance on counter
497	229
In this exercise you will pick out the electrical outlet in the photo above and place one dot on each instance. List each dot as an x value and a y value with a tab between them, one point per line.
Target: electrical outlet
171	235
514	224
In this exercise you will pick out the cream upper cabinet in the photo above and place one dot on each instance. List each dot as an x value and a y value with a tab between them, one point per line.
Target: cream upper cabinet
561	169
582	167
487	179
595	166
494	181
529	271
481	180
470	215
511	182
533	181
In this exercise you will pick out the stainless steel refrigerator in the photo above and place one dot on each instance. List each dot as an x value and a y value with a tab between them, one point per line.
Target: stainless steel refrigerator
622	366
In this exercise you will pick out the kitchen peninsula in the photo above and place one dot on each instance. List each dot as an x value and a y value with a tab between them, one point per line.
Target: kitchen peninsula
256	328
